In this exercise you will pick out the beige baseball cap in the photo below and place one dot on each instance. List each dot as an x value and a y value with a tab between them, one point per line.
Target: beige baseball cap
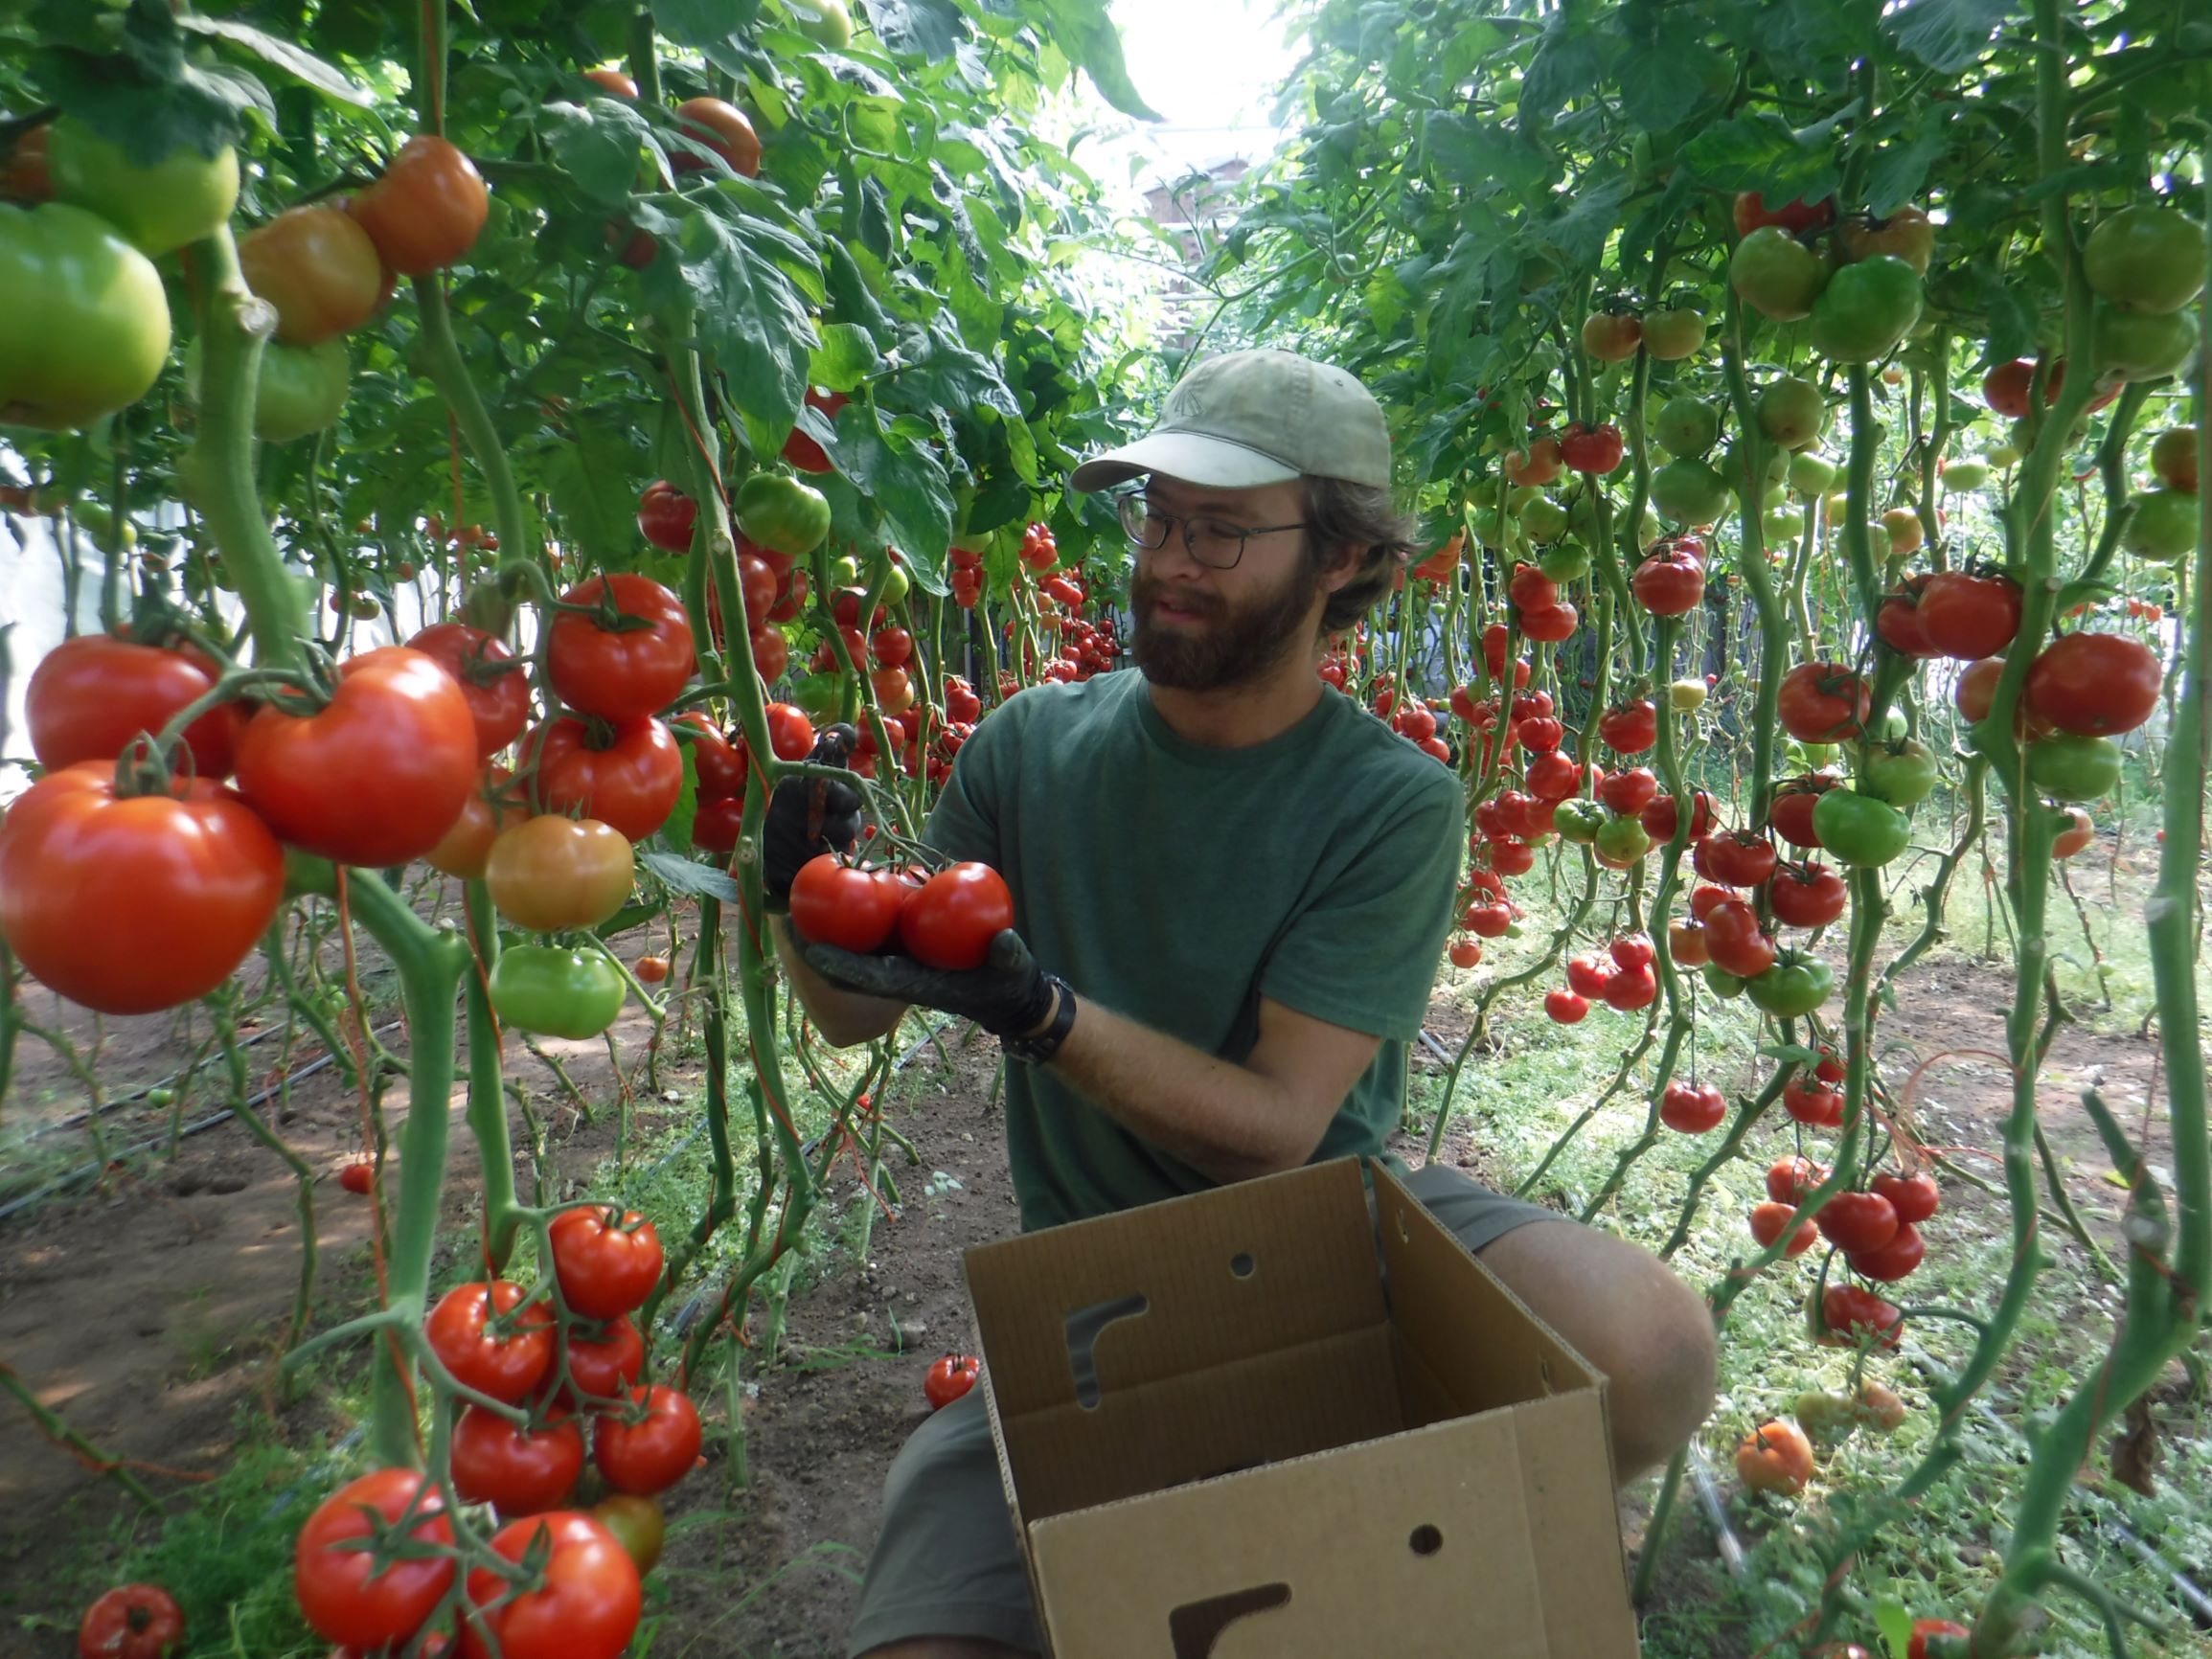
1251	418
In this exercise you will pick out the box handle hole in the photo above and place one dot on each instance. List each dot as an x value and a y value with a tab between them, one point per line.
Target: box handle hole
1242	1265
1196	1626
1084	1328
1427	1540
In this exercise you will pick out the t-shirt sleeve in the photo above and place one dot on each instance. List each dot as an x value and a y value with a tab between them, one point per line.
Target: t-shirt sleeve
964	824
1364	954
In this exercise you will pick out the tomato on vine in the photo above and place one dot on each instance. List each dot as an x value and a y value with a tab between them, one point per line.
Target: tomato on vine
131	1622
608	1260
425	209
491	1339
624	651
345	1591
649	1445
583	1605
626	774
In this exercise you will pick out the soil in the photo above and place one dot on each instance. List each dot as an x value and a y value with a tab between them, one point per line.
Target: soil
147	1311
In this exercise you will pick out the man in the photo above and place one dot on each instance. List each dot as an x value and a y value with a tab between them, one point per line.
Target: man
1240	884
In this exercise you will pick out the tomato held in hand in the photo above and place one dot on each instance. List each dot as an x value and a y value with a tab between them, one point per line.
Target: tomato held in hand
649	1445
584	1604
519	1469
89	696
636	667
131	905
627	776
549	873
375	778
950	1377
131	1622
490	675
844	905
608	1260
483	1334
950	922
426	209
342	1592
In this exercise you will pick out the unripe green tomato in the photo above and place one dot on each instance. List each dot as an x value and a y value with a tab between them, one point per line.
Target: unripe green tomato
2163	528
1520	497
2004	455
1686	697
1489	527
1568	561
1777	495
897	585
1783	523
844	572
182	198
1811	472
1963	477
1544	519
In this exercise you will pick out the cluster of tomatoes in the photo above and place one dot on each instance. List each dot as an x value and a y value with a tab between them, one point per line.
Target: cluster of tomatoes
946	920
378	1558
1411	717
719	764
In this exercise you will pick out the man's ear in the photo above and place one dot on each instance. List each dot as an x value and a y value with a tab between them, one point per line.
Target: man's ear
1347	564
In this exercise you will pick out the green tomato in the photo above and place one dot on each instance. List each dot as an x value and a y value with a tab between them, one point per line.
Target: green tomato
1579	820
1964	477
297	390
1721	983
1783	523
1689	492
1792	413
549	992
1811	756
83	320
2143	345
1824	1416
1901	773
2164	527
1544	519
820	698
182	198
2071	768
1686	426
1776	275
2004	455
2146	258
1517	498
1621	839
1793	986
897	585
1866	308
782	515
1565	562
826	22
844	572
1811	472
1687	697
1858	830
1491	527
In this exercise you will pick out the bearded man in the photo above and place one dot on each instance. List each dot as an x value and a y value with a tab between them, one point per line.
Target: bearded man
1231	891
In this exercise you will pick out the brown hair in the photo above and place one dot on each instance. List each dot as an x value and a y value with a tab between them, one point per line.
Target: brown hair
1341	515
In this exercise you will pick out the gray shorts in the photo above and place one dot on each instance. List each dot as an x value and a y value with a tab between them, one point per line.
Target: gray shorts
947	1562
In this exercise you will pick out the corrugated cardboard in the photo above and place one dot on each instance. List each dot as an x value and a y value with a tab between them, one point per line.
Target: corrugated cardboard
1230	1429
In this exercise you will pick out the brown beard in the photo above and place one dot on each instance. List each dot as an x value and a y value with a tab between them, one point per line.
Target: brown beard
1240	644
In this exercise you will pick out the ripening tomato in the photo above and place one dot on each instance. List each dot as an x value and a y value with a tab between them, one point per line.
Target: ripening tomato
1822	703
637	1523
1686	943
1775	1457
648	1445
520	1469
379	775
607	1259
1977	688
1771	1219
2080	830
318	268
548	873
721	127
585	1605
842	904
426	209
133	904
491	1340
131	1622
341	1592
89	696
1966	617
1612	336
630	779
950	922
627	671
2094	685
493	680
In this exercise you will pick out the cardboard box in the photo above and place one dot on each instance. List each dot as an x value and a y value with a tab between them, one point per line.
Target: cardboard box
1229	1430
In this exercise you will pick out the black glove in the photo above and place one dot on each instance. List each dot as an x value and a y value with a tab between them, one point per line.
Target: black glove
808	817
1008	996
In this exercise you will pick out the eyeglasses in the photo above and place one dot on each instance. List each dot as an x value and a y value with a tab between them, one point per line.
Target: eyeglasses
1213	542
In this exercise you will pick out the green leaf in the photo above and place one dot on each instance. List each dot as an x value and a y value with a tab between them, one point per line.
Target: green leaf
927	29
907	481
596	145
677	833
590	480
1947	35
751	318
1663	80
198	108
1087	34
685	875
845	357
300	64
703	22
1765	154
1901	168
1567	64
1894	1620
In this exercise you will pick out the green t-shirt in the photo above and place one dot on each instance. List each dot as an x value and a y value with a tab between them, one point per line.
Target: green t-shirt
1178	884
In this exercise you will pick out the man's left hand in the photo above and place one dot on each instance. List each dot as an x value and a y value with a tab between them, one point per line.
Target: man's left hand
1008	996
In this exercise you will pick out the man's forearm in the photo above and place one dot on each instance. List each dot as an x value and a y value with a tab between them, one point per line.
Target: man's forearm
844	1017
1220	1119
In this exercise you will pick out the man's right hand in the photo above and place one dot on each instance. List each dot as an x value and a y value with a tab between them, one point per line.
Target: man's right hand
808	817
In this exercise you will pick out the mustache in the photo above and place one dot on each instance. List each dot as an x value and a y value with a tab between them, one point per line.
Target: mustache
1146	588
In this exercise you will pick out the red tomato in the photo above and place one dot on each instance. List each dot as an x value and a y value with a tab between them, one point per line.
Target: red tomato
1629	792
1849	1313
1551	624
1807	894
1738	859
715	760
2094	685
1489	920
1511	857
1466	953
604	1367
89	696
844	905
1822	703
1895	1259
496	685
1692	1109
1818	1107
1587	449
131	905
1704	898
630	784
1796	215
771	653
356	1175
1967	617
1565	1007
949	1377
721	127
801	451
1898	621
1789	1179
1771	1219
1553	777
479	1336
519	1469
1856	1221
666	517
1791	813
718	826
956	914
1631	988
623	673
1632	952
607	1259
342	1594
1660	817
1531	589
1924	1628
379	776
1630	728
2080	831
425	210
1734	942
131	1622
1669	583
584	1606
790	733
1775	1457
650	1446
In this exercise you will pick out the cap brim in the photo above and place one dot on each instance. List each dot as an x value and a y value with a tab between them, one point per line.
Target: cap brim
1212	462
